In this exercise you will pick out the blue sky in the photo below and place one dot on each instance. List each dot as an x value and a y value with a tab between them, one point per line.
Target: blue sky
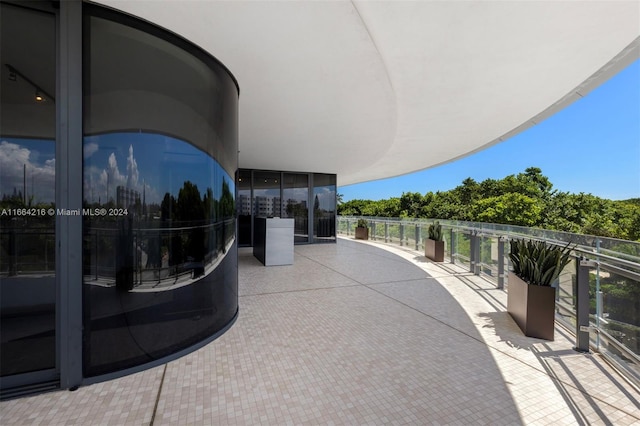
591	146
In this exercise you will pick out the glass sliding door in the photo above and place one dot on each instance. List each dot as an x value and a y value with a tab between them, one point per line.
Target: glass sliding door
295	204
324	208
308	198
27	192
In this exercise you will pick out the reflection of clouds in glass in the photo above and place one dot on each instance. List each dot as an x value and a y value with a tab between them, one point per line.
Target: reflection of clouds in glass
267	192
100	184
89	149
299	194
12	152
149	164
112	172
132	169
326	197
40	178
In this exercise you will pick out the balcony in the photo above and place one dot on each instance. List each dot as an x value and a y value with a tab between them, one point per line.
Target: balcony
601	306
359	333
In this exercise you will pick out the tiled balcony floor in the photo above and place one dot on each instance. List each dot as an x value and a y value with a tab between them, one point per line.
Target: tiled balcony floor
355	334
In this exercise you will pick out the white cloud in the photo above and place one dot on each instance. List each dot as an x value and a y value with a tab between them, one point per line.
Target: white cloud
15	160
132	170
89	149
100	183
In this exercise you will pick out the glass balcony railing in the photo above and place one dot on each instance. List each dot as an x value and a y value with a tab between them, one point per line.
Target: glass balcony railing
613	274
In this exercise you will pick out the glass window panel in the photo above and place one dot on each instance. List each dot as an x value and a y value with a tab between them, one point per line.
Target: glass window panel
295	199
324	207
266	194
27	190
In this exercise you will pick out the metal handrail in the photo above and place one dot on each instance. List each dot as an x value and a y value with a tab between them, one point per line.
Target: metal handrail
605	259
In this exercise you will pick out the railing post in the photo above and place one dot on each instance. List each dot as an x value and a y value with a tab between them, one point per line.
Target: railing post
373	230
582	304
599	301
453	245
417	237
472	252
386	232
501	259
401	234
479	258
599	306
478	246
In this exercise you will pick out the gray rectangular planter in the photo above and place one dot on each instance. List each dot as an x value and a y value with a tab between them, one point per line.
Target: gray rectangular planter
533	307
434	250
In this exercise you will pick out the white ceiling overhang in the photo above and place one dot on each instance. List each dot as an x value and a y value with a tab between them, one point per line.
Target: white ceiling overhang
374	89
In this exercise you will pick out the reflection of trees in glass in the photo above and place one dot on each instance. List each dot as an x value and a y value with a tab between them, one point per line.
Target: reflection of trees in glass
226	205
191	207
184	233
621	306
170	230
324	208
296	208
190	212
194	211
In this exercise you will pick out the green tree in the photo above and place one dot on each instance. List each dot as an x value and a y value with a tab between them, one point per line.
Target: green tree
511	209
411	204
526	199
444	205
353	207
468	192
534	175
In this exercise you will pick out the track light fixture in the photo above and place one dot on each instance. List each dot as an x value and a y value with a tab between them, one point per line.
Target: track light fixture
40	95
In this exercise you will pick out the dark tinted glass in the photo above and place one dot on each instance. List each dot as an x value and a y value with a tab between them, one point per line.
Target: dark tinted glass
324	207
27	190
295	200
243	207
160	264
266	194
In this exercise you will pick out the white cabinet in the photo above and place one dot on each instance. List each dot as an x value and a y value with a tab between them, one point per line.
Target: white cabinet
273	241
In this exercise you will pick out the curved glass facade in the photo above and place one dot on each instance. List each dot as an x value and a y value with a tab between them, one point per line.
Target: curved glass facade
160	157
118	167
27	190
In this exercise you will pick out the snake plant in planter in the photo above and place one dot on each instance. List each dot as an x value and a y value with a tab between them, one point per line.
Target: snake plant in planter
362	230
434	245
530	297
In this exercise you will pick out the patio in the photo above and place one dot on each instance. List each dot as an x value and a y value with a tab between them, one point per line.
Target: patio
358	333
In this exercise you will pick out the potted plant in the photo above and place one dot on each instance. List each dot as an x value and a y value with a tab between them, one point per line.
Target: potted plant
531	299
362	230
434	245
